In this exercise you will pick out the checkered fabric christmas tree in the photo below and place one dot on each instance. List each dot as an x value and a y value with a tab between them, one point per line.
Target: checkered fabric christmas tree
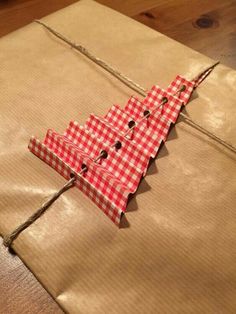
114	151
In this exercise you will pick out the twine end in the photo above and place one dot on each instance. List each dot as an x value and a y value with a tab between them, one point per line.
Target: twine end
7	241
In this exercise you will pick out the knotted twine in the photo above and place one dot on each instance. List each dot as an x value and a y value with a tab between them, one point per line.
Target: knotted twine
8	239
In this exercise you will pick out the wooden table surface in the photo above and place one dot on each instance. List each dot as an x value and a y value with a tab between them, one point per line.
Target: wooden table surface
206	26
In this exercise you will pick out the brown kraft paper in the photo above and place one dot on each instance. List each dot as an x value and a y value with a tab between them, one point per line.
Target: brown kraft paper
177	253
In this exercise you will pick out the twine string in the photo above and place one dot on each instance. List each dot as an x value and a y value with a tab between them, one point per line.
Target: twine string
202	75
138	88
120	76
8	239
206	132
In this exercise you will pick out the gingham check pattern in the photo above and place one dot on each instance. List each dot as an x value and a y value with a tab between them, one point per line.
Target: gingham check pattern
169	110
109	181
177	84
155	122
115	162
96	175
141	135
136	155
135	108
104	203
84	139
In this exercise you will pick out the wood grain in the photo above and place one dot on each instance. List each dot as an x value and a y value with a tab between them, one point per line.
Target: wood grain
17	13
20	292
206	26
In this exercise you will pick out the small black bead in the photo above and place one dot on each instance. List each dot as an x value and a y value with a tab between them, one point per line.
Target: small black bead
104	154
164	100
146	113
84	167
118	145
131	124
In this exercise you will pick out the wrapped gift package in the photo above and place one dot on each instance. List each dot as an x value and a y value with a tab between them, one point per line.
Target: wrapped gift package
175	251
